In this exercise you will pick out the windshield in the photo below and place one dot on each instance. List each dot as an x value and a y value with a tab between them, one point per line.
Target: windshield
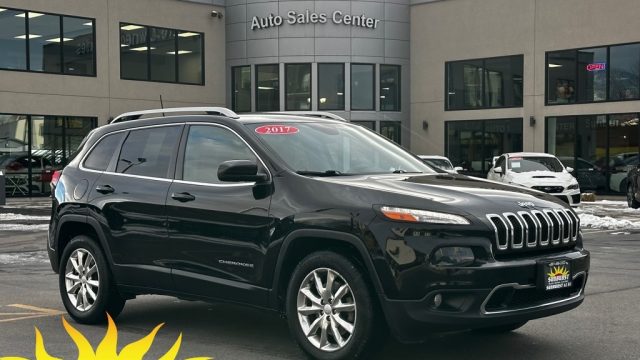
542	163
439	163
332	149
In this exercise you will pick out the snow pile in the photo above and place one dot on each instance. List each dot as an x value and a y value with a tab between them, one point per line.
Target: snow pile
23	227
14	217
606	222
24	257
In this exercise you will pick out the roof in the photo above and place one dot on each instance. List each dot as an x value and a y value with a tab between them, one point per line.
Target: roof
284	118
427	157
529	154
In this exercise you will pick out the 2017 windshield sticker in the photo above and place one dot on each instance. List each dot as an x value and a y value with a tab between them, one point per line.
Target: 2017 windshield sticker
277	130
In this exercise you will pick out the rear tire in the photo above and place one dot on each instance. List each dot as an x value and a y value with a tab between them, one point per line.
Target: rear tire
331	310
86	285
631	199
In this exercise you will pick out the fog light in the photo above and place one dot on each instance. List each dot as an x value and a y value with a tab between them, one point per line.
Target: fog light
453	256
437	301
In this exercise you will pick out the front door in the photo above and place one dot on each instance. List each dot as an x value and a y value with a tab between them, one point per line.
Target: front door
219	231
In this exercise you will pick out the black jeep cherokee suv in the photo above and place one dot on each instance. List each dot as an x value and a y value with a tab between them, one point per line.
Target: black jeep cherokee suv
327	222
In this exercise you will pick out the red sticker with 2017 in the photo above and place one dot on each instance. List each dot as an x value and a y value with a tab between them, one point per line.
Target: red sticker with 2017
277	130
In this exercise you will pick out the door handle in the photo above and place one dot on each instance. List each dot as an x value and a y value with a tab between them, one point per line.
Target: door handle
183	197
104	189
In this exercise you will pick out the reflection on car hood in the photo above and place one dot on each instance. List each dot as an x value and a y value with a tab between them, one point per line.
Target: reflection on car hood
465	193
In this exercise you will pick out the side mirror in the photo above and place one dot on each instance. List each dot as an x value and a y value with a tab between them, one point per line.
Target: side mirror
497	170
569	169
240	171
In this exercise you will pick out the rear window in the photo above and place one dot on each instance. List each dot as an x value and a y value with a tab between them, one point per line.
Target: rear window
102	153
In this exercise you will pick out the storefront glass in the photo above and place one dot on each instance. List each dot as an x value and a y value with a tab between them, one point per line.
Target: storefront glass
32	147
392	130
78	46
600	148
298	87
362	87
162	54
368	124
241	88
13	43
190	57
472	144
625	72
267	87
389	88
44	42
592	76
561	77
330	86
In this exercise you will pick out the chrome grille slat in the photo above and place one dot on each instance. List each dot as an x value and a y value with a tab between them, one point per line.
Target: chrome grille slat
534	229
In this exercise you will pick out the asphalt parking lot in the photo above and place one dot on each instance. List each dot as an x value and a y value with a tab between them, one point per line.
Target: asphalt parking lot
604	327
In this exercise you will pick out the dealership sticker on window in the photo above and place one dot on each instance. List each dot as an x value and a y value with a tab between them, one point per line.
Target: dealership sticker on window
277	130
515	164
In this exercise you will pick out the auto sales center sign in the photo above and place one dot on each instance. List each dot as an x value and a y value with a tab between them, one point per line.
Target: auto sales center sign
308	17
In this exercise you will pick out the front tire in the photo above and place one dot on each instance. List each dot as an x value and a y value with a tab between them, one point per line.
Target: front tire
631	199
331	309
86	286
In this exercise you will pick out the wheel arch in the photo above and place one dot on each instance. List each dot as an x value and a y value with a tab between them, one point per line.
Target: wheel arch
71	226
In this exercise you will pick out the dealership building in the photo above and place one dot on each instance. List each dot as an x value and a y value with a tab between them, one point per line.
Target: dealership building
469	79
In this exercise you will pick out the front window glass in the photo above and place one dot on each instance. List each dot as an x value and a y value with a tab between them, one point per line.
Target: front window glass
625	72
331	86
389	88
336	149
241	88
44	42
362	89
267	87
207	148
13	41
592	75
527	164
148	152
298	90
561	74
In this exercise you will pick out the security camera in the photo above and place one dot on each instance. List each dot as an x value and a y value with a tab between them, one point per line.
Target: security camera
217	14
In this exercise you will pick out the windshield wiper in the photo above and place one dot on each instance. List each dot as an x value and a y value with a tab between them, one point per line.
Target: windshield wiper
321	173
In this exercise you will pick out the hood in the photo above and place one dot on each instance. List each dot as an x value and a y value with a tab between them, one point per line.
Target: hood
541	178
449	193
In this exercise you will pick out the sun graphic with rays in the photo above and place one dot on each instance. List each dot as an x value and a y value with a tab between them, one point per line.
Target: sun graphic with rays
558	271
107	349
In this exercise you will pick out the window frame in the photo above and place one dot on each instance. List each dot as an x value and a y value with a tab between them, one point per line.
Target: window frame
373	88
344	85
484	85
148	54
61	29
608	81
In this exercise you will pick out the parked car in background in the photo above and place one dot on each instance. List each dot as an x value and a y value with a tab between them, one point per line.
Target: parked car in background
539	171
633	187
16	170
619	166
440	162
589	175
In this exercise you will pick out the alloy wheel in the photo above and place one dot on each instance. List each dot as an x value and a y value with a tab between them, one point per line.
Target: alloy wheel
82	279
326	309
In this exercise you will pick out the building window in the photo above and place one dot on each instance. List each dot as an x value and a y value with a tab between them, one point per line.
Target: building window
298	87
472	144
600	148
363	92
330	86
484	83
392	130
241	88
389	88
33	146
371	125
267	87
606	73
161	54
54	43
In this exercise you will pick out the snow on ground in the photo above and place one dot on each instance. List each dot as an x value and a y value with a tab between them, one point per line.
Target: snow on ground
607	222
24	257
608	214
20	217
24	227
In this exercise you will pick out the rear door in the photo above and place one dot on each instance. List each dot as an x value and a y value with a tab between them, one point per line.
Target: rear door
129	199
219	231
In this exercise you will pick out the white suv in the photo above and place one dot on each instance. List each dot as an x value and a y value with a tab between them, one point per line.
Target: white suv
539	171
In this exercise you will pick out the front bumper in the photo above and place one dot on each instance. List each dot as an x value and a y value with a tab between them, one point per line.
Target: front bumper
571	197
499	293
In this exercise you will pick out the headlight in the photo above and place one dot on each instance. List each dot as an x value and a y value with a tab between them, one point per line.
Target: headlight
422	216
573	186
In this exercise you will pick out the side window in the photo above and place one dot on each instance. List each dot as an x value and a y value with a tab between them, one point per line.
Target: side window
148	152
102	153
207	148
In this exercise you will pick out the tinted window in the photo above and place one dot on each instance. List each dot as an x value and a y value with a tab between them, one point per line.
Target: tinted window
331	86
13	42
78	46
190	57
133	52
298	89
267	88
625	72
362	89
102	153
389	88
148	152
44	42
207	148
162	49
592	75
241	87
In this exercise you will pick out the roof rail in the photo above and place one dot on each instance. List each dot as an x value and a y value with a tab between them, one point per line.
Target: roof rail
318	114
134	115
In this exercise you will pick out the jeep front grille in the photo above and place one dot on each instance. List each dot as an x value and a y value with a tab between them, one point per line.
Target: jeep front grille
534	229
